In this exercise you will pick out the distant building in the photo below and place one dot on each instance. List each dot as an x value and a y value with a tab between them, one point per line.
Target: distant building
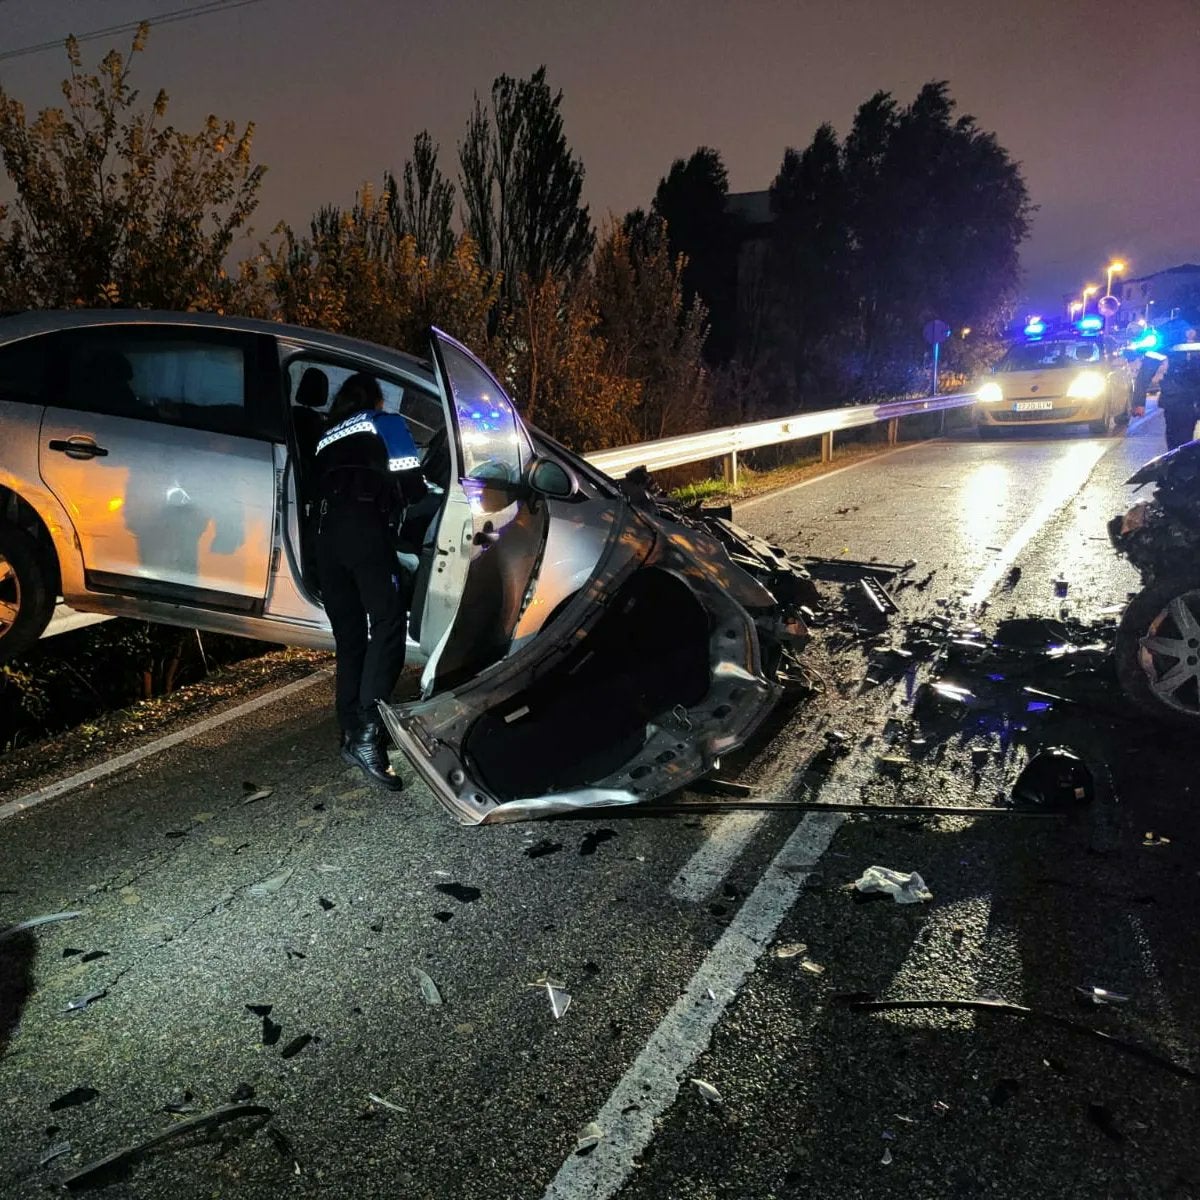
1156	297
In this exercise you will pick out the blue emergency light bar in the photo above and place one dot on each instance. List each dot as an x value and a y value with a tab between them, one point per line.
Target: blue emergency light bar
1089	324
1035	327
1148	341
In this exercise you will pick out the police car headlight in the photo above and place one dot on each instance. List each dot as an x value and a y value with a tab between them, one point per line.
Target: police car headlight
990	393
1087	385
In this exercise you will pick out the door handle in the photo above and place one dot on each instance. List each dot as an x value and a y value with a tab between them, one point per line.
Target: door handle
78	447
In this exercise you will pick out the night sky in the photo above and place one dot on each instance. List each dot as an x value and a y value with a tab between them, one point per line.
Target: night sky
1098	101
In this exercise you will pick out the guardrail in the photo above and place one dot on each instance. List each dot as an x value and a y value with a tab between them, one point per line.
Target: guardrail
729	442
726	443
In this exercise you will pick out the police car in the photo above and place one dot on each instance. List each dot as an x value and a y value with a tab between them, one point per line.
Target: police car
1065	376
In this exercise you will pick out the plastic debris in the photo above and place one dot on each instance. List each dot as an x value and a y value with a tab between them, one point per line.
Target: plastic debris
429	989
271	885
790	950
1054	778
706	1089
813	968
1099	995
34	922
903	888
260	794
82	1002
560	998
295	1045
109	1167
1155	839
886	1160
459	891
55	1151
73	1098
591	1136
384	1103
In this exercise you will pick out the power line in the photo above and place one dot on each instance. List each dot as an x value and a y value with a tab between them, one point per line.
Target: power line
168	18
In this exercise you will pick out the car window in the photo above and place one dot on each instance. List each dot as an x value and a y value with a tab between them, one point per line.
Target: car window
421	409
493	446
23	371
190	380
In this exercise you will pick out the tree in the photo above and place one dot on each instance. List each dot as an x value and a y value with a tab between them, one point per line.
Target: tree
113	207
693	201
938	211
522	186
650	336
425	204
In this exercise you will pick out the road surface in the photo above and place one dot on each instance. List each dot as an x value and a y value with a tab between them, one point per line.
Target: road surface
263	946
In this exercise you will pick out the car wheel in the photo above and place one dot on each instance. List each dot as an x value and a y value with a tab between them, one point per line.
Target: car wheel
1158	651
1106	426
26	597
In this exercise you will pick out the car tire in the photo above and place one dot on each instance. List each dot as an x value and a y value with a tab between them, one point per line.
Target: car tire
26	593
1140	670
1106	426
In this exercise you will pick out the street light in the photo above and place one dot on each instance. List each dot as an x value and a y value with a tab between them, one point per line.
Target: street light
1116	267
1090	290
1073	308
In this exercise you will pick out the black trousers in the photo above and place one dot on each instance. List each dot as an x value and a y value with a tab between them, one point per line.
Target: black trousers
1180	418
362	590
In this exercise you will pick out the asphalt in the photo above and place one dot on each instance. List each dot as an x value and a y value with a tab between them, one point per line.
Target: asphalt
664	931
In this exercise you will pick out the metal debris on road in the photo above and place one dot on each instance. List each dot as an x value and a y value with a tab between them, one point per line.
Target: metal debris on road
886	1160
82	1002
73	1098
707	1090
104	1170
542	848
1155	839
1102	996
272	884
790	950
591	1136
904	888
34	922
429	989
560	998
385	1103
813	968
256	794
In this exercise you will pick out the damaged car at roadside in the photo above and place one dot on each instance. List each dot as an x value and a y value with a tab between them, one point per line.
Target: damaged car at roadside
584	642
1158	639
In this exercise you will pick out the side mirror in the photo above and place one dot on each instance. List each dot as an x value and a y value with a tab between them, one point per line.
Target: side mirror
551	479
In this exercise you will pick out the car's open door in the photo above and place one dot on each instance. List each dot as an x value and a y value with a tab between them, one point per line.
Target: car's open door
491	529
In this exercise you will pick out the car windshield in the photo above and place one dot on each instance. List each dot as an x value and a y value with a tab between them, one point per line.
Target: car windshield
1034	355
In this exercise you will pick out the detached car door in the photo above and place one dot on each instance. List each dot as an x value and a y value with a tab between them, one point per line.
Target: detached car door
159	443
491	530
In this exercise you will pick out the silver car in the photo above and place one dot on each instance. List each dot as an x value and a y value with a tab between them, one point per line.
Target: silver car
159	466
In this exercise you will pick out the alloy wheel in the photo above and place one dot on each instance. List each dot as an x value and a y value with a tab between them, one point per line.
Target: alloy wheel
1169	654
10	595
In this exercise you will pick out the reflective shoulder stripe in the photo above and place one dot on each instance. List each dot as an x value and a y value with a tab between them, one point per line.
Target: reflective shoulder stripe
406	463
356	424
1154	354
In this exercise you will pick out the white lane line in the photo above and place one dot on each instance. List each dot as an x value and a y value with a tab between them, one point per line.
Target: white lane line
1070	474
700	876
113	765
651	1084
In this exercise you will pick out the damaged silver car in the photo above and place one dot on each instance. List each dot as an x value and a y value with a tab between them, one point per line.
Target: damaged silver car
583	642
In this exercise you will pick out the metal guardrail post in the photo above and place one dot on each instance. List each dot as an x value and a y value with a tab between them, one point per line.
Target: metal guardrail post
893	431
729	468
827	446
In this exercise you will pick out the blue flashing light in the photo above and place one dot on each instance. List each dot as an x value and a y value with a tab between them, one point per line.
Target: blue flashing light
1035	327
1148	341
1089	324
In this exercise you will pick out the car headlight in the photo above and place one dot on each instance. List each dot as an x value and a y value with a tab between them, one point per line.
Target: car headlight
990	393
1087	385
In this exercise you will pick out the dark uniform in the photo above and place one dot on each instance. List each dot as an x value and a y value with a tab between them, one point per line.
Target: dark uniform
367	472
1179	389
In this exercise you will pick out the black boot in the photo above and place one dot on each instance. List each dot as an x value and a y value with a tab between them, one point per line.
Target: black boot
365	750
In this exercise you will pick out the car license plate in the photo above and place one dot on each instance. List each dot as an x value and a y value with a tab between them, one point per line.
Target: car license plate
1033	406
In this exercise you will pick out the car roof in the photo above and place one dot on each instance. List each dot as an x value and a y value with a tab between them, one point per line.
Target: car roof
36	321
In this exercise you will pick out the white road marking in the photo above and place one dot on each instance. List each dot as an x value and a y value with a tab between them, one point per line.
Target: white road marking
651	1084
113	765
1070	474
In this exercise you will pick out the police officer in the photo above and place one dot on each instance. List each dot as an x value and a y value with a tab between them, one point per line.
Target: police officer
1179	389
367	472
